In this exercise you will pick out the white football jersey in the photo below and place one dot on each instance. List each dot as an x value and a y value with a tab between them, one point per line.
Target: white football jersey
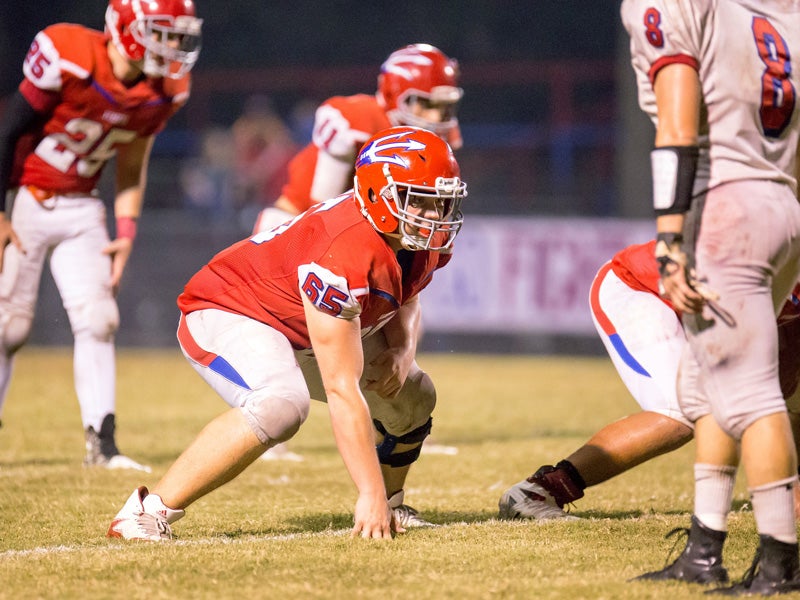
747	54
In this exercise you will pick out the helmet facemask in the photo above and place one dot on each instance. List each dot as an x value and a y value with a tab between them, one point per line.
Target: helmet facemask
416	231
413	104
172	44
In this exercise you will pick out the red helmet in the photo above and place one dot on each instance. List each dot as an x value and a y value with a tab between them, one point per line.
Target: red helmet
401	169
420	74
165	34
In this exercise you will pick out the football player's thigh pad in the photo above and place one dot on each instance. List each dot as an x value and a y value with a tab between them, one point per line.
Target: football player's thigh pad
272	393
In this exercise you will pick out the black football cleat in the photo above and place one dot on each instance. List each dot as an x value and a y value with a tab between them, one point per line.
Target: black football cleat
775	570
700	561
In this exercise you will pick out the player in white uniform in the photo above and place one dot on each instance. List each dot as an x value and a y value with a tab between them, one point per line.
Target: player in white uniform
86	96
717	79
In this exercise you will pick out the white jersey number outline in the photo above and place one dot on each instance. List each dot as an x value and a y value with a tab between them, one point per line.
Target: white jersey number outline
62	150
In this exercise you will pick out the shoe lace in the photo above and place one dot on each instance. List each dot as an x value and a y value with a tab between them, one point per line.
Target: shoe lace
676	533
154	525
750	573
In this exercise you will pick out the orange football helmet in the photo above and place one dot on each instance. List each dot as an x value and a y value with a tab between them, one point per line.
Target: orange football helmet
165	34
420	74
398	171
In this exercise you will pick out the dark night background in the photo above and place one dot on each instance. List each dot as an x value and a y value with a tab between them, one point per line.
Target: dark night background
549	116
539	77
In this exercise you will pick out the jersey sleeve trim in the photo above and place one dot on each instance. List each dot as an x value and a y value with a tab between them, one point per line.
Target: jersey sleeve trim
42	101
662	62
386	296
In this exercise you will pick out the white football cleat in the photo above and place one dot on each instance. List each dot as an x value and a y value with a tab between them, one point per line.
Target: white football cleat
102	451
120	461
404	515
529	500
133	523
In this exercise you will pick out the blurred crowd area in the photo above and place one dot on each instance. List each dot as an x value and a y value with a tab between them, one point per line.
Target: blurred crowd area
555	156
240	169
540	115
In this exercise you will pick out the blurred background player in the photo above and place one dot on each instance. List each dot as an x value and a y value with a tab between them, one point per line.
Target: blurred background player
417	86
717	80
86	97
325	306
644	337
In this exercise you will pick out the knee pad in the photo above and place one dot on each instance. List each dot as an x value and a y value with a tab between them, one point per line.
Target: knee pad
386	449
98	318
409	409
276	417
15	331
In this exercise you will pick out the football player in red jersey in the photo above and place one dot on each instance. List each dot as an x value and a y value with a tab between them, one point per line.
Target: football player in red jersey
86	96
326	307
417	86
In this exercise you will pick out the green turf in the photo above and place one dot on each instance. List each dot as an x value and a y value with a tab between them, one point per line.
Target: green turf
280	529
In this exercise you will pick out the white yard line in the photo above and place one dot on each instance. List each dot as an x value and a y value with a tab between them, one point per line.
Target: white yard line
198	542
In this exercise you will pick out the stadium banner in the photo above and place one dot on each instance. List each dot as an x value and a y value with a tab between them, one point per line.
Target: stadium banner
520	275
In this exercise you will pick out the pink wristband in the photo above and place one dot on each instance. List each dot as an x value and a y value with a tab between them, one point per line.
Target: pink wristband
126	228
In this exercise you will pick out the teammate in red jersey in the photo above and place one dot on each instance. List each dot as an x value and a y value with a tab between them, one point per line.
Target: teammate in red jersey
86	96
326	307
417	86
643	335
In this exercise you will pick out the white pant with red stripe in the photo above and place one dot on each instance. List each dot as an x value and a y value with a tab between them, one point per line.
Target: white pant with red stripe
644	338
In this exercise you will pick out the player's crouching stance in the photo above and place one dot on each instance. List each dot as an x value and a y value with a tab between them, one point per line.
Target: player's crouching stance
325	306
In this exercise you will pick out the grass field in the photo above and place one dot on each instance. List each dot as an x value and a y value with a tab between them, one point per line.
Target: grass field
280	529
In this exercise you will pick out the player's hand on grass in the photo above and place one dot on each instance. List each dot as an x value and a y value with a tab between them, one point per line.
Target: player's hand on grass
373	517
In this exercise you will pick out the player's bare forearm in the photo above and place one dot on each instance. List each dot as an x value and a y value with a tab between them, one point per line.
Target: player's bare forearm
387	372
337	347
402	330
131	180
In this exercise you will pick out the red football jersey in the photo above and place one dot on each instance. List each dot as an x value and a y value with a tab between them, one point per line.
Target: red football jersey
331	254
341	126
68	78
636	265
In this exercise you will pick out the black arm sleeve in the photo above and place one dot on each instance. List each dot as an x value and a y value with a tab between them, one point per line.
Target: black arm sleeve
17	118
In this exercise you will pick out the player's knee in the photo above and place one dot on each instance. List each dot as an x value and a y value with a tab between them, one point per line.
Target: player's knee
98	318
276	417
424	393
410	409
401	450
16	330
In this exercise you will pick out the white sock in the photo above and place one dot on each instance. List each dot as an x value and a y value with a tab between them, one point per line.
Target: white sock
713	493
773	507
